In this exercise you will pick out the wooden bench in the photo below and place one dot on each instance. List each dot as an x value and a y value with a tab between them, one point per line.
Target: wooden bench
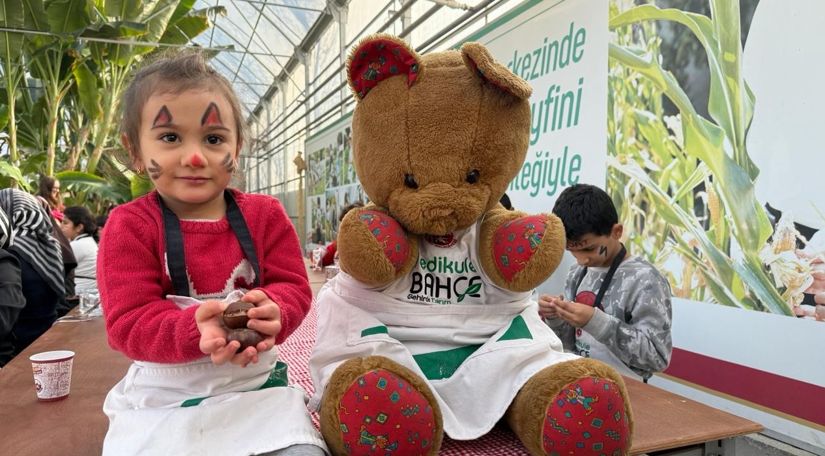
77	425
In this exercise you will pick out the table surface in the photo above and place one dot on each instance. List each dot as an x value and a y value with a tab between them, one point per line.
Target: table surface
663	420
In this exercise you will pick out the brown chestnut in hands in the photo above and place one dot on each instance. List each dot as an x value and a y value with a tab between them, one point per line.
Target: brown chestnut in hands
235	316
247	337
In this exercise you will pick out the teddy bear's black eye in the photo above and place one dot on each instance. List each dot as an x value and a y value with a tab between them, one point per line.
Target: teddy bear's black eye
472	176
409	181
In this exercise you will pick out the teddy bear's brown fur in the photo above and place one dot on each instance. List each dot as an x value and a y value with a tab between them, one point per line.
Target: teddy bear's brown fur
436	140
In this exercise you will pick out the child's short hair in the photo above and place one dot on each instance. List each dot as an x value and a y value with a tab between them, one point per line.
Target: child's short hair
173	72
348	208
585	209
505	201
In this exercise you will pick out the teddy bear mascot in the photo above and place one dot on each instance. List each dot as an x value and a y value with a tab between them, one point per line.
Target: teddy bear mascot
430	328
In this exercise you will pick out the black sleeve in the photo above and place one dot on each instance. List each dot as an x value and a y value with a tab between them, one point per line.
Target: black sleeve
11	292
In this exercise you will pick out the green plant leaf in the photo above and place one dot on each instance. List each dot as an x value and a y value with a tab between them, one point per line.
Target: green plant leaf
79	181
728	104
675	215
11	43
88	92
32	164
125	10
183	8
67	16
35	18
190	26
705	141
140	186
158	18
114	30
7	169
4	116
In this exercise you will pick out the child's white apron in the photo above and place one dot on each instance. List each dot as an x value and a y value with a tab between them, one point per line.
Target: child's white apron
475	358
200	408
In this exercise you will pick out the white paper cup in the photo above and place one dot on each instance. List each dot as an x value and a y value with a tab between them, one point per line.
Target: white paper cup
52	374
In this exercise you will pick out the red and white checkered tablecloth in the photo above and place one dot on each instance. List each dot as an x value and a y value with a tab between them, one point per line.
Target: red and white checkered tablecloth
296	351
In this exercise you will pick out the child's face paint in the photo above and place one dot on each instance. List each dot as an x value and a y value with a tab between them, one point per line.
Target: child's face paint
155	170
228	163
163	119
212	116
188	151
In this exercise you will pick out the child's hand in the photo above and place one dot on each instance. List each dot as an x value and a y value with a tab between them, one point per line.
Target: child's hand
547	306
575	313
213	334
265	318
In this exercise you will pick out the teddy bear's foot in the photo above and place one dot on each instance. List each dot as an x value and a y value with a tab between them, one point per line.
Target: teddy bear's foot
576	408
376	406
528	245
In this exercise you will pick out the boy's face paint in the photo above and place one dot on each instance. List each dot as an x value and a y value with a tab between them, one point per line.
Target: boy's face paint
189	156
596	251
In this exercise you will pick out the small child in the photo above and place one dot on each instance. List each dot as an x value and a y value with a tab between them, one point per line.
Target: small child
616	307
330	252
170	263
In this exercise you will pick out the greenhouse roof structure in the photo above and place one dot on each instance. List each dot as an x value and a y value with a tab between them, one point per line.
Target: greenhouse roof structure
262	40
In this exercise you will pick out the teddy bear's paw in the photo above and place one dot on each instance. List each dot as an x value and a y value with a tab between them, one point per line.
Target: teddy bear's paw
588	417
516	242
389	235
382	413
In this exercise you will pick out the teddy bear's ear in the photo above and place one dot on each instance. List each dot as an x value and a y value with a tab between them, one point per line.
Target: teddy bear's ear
378	57
481	63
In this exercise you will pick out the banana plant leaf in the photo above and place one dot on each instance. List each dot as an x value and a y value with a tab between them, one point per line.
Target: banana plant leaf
13	172
79	181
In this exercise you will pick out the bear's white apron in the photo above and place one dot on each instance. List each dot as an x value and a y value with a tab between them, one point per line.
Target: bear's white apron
475	352
199	408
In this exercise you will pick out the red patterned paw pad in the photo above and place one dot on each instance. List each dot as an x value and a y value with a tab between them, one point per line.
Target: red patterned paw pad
516	241
586	418
382	414
389	234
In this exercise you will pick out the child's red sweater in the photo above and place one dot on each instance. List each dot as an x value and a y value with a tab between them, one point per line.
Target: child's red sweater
133	276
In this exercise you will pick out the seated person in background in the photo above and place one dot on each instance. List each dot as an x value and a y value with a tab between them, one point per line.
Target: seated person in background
48	195
12	300
616	307
332	249
80	228
41	266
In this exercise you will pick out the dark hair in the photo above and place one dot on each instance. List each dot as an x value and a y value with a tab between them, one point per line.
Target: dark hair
173	72
348	208
80	215
101	220
585	209
505	201
45	191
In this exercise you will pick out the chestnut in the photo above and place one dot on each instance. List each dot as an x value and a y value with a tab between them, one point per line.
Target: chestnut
235	316
247	337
